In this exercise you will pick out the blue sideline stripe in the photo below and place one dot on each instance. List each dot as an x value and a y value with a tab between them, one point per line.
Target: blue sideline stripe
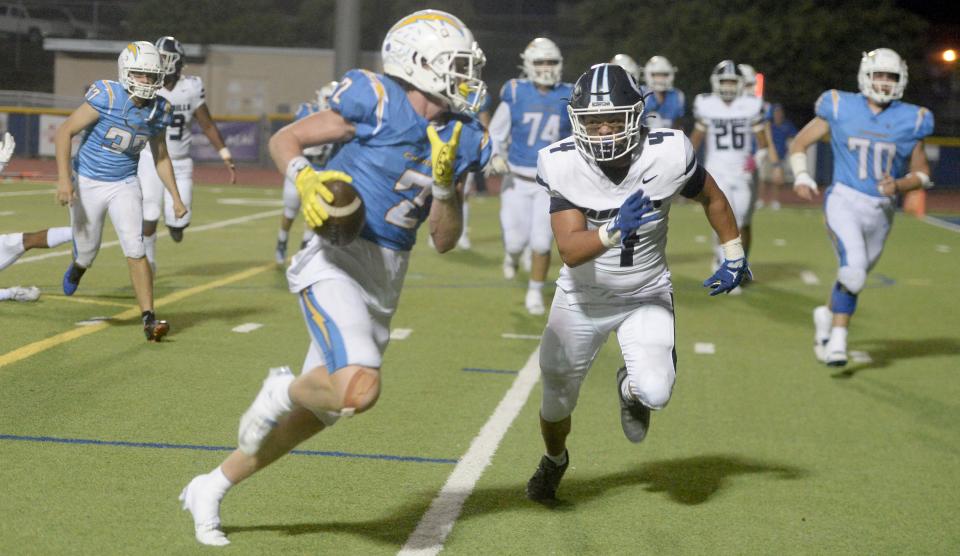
491	371
165	446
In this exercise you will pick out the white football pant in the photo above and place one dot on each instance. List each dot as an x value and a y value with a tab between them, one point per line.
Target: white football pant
123	201
576	332
155	195
858	225
525	215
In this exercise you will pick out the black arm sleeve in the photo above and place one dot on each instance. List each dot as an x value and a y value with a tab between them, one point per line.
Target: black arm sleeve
694	185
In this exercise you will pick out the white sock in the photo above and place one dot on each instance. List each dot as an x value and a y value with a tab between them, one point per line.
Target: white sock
559	460
466	215
280	396
307	235
535	285
838	334
282	235
219	482
6	293
149	245
513	258
59	236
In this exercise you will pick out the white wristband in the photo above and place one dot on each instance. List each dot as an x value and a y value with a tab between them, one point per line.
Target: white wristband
441	193
606	238
924	179
733	249
798	163
225	153
294	167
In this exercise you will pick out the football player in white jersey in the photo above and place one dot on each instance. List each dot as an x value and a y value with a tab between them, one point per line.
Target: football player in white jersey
13	246
529	117
186	95
318	156
729	121
611	186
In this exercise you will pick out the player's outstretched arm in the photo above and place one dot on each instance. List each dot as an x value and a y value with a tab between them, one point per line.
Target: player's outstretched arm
803	184
717	209
919	175
734	267
158	146
202	114
81	118
446	220
326	126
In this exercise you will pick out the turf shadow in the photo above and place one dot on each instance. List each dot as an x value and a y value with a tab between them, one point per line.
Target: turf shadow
884	352
688	481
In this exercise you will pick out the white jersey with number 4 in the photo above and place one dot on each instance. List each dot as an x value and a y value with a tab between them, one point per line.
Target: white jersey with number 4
187	95
638	268
729	129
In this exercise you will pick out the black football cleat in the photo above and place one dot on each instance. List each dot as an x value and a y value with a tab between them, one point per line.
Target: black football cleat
634	416
155	330
176	234
542	487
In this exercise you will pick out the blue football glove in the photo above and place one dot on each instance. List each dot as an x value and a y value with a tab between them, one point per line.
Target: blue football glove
728	276
636	211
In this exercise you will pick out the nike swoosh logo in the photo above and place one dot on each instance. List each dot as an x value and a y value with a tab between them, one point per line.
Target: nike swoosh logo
648	180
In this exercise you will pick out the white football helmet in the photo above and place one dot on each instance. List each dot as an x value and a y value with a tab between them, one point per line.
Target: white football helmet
726	80
749	80
658	74
627	63
435	52
324	94
542	62
140	57
882	60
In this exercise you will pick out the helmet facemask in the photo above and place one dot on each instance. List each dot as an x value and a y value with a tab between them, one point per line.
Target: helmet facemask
882	76
621	138
465	89
140	70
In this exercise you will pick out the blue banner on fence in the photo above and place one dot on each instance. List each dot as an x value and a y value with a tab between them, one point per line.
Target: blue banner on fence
243	139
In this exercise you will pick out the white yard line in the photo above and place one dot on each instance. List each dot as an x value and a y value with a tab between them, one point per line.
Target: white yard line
25	193
941	223
436	524
512	336
809	278
192	230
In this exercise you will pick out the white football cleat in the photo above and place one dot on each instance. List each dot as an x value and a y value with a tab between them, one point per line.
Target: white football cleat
464	243
19	293
262	416
534	302
836	352
204	505
822	319
509	268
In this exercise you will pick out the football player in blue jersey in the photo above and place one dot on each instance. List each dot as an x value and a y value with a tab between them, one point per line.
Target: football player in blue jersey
666	105
531	115
119	118
318	156
407	140
877	143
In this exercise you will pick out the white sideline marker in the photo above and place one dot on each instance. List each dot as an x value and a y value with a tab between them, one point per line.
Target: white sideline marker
400	333
7	213
511	336
779	242
704	348
939	248
860	357
436	524
26	193
700	239
247	327
809	278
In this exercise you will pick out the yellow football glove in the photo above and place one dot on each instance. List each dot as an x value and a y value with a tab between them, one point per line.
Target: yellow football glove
310	185
443	156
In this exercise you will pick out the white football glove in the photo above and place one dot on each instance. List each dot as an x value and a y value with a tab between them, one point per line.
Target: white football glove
497	166
6	148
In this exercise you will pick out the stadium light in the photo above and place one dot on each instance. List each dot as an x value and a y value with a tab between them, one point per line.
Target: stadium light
949	55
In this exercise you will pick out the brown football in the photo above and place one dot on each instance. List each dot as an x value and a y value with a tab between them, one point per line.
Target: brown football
346	214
